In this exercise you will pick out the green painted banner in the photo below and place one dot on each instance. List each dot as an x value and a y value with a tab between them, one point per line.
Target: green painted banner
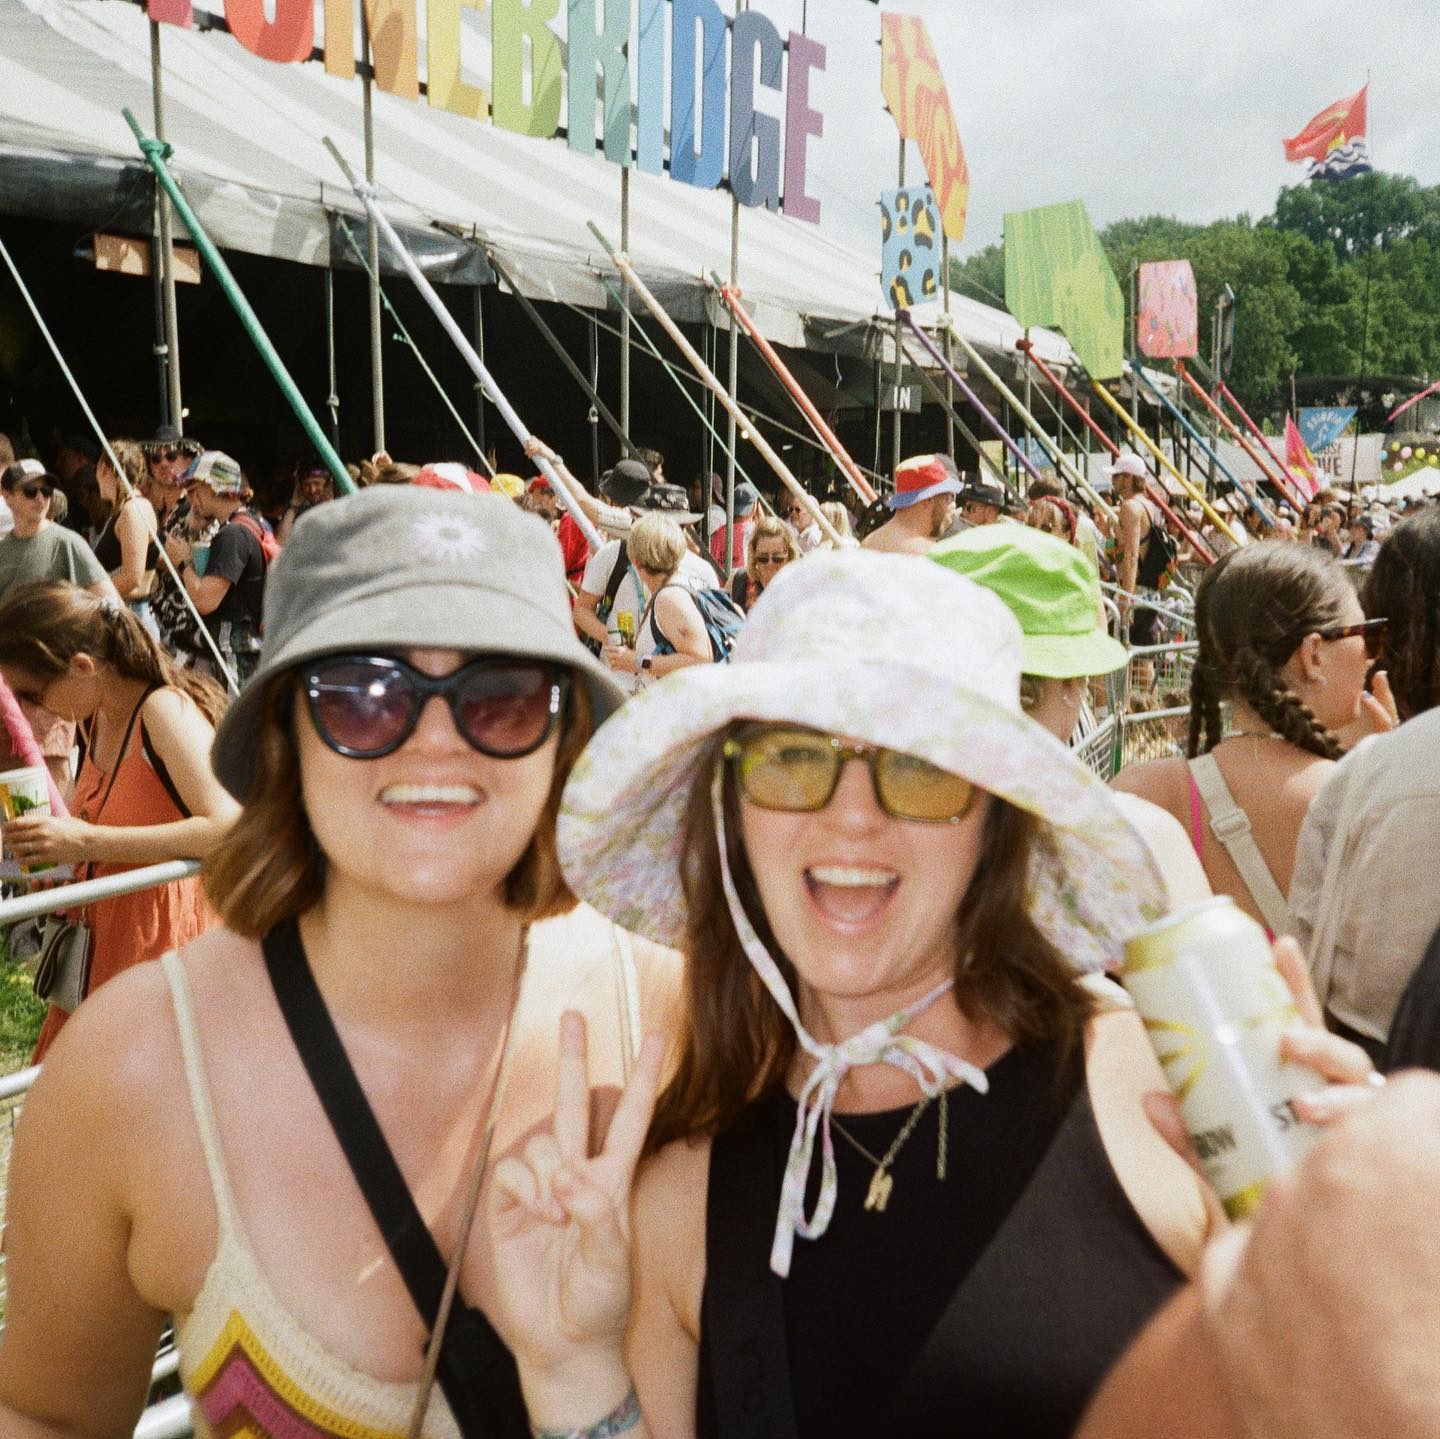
1058	275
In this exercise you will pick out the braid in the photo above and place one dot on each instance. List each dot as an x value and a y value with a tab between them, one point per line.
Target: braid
1281	708
1199	686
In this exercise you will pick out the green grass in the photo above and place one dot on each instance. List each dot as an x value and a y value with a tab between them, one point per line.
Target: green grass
21	1014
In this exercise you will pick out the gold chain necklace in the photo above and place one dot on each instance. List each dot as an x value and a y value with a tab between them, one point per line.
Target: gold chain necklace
882	1182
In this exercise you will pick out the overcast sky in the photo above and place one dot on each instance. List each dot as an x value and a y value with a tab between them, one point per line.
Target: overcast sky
1172	107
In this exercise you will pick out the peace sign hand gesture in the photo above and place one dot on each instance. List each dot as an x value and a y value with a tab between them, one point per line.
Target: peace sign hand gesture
559	1221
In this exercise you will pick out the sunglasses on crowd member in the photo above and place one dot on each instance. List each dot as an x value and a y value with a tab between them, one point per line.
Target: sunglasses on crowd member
29	488
1373	632
367	706
770	560
797	771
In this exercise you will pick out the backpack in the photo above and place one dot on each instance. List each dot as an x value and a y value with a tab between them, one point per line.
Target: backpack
1157	554
264	536
723	618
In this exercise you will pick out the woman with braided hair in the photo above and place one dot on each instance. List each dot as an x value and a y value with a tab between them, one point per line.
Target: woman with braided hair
1283	642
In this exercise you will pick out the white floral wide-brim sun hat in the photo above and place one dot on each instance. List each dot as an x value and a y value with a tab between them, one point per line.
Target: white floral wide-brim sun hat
887	650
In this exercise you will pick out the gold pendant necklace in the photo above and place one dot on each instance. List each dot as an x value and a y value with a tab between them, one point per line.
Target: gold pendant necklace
882	1182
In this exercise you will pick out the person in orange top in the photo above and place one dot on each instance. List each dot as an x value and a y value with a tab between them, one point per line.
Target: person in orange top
145	792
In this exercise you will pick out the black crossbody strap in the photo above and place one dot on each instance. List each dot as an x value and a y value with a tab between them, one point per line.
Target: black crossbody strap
476	1371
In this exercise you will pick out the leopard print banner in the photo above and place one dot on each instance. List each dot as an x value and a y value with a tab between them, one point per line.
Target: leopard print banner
915	95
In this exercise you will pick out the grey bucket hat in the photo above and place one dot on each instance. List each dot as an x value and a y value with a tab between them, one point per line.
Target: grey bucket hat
395	568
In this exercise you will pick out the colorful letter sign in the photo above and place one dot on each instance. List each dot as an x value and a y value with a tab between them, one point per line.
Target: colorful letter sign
915	95
719	67
1167	325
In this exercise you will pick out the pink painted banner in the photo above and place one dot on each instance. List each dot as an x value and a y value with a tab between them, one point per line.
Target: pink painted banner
1167	326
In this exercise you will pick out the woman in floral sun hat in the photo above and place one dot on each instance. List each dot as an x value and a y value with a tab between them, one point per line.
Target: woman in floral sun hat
890	884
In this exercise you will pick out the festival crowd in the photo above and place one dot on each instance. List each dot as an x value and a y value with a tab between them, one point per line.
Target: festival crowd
716	922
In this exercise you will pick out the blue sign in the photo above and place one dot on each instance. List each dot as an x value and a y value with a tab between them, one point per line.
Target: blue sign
1321	427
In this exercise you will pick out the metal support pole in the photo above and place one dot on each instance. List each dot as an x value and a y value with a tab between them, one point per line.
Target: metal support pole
976	403
733	391
158	347
1168	407
899	352
372	254
1066	470
803	402
332	396
602	410
366	195
712	383
625	312
949	350
155	155
1118	410
1155	491
167	248
480	350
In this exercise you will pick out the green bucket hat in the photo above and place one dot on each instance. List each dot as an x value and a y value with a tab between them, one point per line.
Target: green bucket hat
1049	586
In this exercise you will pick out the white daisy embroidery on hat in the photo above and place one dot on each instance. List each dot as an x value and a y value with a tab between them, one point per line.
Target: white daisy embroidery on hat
447	538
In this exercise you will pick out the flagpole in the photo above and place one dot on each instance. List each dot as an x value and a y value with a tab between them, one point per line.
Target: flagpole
1365	321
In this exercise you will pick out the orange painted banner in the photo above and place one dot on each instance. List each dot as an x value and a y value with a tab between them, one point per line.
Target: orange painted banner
915	95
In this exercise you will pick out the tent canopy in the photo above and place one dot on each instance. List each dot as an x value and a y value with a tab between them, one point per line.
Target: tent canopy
247	135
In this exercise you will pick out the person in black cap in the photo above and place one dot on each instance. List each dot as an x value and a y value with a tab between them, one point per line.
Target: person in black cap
982	500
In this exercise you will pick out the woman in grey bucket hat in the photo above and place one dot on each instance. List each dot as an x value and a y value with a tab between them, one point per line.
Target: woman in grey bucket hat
391	883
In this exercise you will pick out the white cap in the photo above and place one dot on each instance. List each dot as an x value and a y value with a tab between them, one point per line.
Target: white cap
1128	465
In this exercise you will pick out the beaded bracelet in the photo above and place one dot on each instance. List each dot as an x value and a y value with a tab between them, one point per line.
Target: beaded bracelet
620	1420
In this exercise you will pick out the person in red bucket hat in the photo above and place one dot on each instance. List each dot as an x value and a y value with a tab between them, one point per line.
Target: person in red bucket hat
922	505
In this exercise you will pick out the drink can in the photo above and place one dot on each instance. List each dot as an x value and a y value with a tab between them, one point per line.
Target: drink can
625	624
1205	984
25	791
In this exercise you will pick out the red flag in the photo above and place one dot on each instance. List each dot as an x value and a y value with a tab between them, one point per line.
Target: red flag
1298	459
1336	125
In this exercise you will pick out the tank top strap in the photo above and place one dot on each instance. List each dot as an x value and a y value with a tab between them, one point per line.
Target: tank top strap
200	1102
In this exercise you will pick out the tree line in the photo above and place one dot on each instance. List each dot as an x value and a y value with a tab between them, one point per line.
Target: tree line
1300	277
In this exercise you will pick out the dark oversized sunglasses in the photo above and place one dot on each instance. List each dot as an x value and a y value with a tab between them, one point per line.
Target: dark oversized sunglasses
797	771
367	706
29	488
1373	632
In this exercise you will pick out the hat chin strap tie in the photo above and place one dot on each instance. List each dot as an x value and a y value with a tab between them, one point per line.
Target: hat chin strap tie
932	1068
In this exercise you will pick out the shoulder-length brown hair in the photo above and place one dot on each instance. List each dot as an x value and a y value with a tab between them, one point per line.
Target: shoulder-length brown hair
269	868
44	624
736	1046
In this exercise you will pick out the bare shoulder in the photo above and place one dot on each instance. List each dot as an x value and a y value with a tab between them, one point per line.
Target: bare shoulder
167	711
1161	781
120	1051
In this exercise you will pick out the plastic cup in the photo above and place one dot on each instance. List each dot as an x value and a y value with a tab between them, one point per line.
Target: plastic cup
200	558
22	792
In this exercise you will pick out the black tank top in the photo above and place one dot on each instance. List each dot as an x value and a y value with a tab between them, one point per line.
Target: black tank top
990	1304
107	547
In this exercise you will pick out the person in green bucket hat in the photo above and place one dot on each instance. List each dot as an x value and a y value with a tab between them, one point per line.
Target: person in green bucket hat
1053	590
